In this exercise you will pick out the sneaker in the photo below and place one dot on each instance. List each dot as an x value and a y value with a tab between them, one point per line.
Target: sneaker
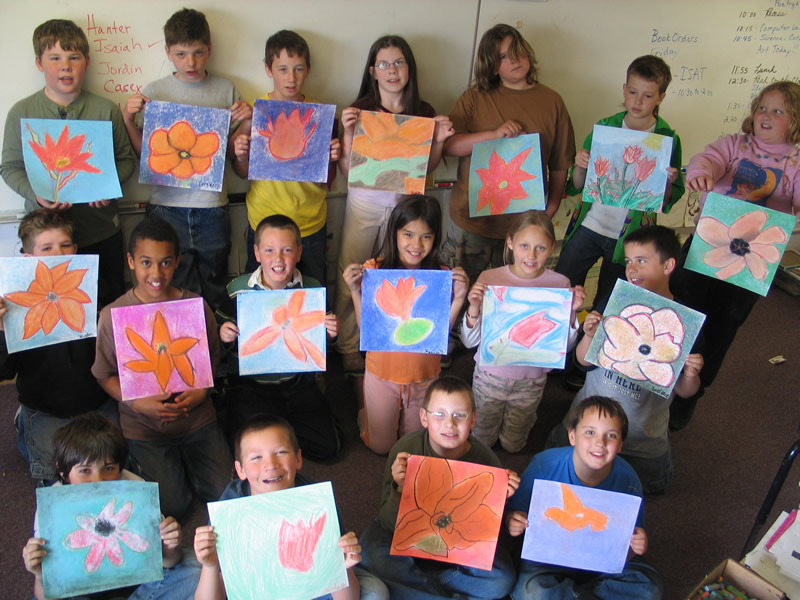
353	363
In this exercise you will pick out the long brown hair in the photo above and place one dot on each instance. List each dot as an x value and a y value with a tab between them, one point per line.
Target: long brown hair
488	61
369	92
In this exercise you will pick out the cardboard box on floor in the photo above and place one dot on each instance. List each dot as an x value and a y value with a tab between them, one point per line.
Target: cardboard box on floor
743	578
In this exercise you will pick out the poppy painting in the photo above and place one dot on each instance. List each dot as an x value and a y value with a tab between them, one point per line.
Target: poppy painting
100	536
390	152
70	160
406	310
450	511
739	242
50	299
644	337
291	141
161	348
627	168
184	146
525	326
579	527
280	545
281	331
506	176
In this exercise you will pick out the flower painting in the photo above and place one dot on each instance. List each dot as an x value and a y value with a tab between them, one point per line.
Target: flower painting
579	527
70	160
281	331
525	326
184	146
280	545
290	141
739	242
644	337
506	176
161	348
627	168
390	152
405	310
50	299
450	511
100	536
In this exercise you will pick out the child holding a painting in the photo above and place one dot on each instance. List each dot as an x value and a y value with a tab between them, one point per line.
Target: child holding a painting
507	396
395	382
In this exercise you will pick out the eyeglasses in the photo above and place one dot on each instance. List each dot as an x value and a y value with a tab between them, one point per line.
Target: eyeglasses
458	416
398	64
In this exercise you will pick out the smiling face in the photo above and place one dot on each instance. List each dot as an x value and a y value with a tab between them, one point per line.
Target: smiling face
189	60
53	242
644	268
153	264
449	420
531	247
94	471
513	72
771	122
414	243
641	99
393	79
64	71
268	461
278	252
288	74
596	440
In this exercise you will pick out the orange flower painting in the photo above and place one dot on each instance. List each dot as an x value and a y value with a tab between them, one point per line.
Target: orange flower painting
450	511
181	151
574	515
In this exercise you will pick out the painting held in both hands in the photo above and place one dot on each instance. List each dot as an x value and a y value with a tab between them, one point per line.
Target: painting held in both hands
390	152
50	299
100	536
524	326
505	176
161	348
281	545
70	160
627	168
739	242
645	337
291	141
579	527
184	145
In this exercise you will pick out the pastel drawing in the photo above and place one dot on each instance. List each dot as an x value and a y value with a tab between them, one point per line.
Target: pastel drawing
77	167
297	542
49	299
574	515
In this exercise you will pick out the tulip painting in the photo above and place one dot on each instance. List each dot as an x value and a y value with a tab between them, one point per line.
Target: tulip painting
644	338
390	152
50	299
70	161
580	527
184	146
739	242
290	141
280	545
100	536
525	326
405	310
161	348
627	168
506	176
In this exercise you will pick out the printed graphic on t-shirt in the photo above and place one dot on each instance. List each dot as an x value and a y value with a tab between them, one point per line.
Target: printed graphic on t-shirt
754	183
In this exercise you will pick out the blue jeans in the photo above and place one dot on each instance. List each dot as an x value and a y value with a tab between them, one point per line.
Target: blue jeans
200	459
579	255
415	578
313	262
205	238
638	581
179	583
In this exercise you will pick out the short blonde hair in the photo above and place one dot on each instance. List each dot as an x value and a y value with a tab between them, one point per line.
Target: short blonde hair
791	98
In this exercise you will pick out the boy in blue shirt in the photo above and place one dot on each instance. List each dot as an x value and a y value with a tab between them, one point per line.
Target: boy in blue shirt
597	429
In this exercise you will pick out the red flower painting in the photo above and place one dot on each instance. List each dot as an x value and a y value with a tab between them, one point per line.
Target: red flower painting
502	182
287	135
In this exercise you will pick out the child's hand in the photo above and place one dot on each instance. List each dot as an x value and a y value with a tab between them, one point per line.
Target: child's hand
516	522
399	467
241	111
332	325
352	276
460	283
99	203
241	146
443	129
352	551
170	531
151	407
58	206
475	296
582	159
578	297
185	403
135	104
513	483
508	129
639	541
591	322
205	546
672	174
32	554
349	118
693	365
701	183
336	149
228	332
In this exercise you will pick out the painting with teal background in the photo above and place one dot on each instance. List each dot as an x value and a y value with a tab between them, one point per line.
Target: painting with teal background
739	242
50	299
291	141
525	327
280	545
100	536
406	310
627	168
579	527
505	176
184	145
281	331
70	160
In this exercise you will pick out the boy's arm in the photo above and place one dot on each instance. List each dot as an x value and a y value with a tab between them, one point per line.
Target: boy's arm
557	183
352	556
590	324
133	106
689	382
675	185
210	586
12	167
461	144
170	531
32	555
